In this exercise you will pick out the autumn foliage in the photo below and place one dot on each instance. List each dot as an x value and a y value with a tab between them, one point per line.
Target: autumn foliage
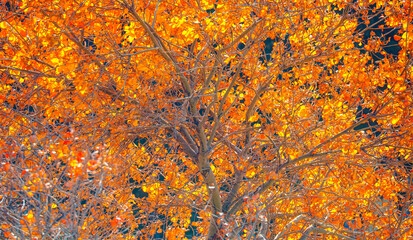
213	119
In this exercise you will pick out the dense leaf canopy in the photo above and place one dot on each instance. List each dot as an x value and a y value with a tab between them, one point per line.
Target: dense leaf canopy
215	119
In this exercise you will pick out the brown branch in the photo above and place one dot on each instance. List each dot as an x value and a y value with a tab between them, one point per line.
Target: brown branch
184	145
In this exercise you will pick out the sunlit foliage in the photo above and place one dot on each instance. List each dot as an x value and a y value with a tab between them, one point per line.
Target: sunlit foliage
124	119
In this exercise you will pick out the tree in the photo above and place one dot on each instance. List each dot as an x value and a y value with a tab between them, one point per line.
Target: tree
219	119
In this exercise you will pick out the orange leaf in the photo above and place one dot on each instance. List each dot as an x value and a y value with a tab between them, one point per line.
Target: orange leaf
115	222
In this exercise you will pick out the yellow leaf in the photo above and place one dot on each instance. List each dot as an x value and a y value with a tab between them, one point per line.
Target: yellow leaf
55	60
30	217
212	167
250	173
3	24
301	111
395	120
